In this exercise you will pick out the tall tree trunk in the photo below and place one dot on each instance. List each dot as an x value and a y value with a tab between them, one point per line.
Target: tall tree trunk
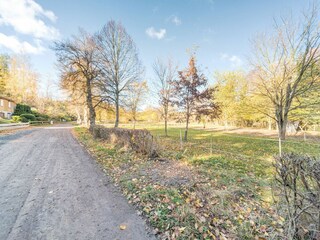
116	124
92	112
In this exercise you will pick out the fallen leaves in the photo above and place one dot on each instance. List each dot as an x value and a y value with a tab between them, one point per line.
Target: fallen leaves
123	227
183	202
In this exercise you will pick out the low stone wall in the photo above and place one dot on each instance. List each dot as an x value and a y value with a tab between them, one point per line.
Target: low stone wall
139	140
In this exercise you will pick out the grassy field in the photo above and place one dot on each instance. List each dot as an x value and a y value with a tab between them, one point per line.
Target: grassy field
215	186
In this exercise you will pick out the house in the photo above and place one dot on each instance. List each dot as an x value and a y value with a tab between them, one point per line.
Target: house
7	107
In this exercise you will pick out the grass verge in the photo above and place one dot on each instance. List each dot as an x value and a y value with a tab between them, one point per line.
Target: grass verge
215	186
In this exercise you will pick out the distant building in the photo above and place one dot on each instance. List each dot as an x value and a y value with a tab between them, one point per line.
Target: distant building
7	107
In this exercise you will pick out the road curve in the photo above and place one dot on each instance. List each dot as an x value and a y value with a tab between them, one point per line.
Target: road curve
50	188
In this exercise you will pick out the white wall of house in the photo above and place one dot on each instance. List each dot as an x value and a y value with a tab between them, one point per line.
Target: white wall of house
6	114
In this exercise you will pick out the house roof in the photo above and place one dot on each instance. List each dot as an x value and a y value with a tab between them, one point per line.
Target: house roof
6	98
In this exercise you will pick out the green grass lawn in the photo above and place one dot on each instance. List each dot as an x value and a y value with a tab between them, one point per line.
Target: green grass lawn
242	153
228	158
4	121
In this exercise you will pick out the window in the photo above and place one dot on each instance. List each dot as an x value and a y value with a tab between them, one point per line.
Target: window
9	104
1	102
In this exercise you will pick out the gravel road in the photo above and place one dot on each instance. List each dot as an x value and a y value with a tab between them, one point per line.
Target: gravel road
50	188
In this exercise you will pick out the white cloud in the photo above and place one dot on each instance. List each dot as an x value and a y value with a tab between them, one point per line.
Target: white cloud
233	59
151	32
175	20
27	17
12	43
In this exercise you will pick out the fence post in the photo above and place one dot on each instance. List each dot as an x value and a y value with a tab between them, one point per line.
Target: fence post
280	147
211	145
181	140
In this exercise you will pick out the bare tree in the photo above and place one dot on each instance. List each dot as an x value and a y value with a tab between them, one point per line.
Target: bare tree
165	75
79	70
286	66
134	99
191	95
119	62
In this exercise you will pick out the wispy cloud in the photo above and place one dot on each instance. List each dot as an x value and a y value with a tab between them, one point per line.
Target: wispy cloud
12	43
153	33
28	18
175	20
233	59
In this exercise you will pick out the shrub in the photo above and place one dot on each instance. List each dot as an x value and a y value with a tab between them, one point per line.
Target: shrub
16	119
298	189
27	117
140	141
41	119
24	120
22	109
40	116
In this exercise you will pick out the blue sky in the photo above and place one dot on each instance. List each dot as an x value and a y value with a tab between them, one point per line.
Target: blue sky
220	29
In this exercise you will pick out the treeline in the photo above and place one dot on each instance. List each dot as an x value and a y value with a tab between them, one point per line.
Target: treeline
280	90
17	79
103	72
100	70
20	82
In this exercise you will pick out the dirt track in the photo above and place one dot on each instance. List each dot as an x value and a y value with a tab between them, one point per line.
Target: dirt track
50	188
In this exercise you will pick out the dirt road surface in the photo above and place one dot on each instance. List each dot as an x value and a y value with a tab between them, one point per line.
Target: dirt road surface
50	188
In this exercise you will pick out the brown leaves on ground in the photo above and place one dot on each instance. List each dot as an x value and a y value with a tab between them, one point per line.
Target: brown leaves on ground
123	227
181	202
169	173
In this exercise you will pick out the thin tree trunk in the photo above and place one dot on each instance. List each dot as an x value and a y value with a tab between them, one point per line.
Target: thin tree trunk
92	112
166	119
166	127
186	130
134	122
116	124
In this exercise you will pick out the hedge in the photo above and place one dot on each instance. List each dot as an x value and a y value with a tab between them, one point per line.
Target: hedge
139	141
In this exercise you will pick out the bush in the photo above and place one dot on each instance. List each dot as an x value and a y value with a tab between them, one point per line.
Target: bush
27	117
16	119
41	119
40	116
140	141
24	120
298	189
22	109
